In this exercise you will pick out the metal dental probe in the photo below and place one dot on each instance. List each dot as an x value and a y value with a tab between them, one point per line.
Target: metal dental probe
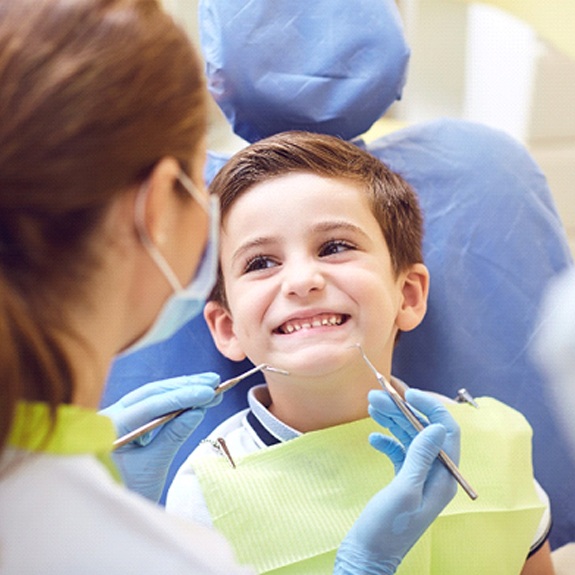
406	409
224	386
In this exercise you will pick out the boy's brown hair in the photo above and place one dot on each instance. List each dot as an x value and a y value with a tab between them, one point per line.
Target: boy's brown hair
393	202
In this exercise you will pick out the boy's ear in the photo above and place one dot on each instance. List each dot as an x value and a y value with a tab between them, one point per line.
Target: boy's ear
221	327
414	289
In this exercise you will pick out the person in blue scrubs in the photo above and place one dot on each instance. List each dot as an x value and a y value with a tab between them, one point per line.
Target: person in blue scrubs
108	243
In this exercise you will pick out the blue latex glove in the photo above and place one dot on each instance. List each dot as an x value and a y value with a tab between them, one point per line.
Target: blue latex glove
144	463
396	517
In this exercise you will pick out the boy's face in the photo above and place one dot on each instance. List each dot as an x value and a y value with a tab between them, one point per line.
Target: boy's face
307	276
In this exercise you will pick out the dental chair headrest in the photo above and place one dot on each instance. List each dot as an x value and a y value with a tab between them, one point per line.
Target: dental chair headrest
327	66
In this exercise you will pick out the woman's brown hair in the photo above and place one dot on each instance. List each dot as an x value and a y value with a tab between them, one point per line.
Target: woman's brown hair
92	94
393	202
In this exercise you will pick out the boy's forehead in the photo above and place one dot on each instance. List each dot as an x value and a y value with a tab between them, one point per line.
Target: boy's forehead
298	203
269	189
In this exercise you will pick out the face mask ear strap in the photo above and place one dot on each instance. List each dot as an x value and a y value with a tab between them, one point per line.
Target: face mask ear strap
202	199
153	251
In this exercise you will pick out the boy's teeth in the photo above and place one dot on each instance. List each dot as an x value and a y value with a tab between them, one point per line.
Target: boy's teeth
319	321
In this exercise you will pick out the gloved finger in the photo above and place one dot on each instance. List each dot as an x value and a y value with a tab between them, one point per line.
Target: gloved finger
390	447
400	432
129	418
383	405
194	419
426	472
431	406
145	439
435	410
422	454
162	386
216	400
177	431
386	413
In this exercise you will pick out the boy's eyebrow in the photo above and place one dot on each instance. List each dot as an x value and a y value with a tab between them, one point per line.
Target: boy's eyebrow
328	226
336	225
253	243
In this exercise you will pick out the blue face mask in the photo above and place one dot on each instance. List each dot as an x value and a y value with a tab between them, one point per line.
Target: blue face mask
186	302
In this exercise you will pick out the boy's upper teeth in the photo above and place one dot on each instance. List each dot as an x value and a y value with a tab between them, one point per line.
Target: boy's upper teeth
311	322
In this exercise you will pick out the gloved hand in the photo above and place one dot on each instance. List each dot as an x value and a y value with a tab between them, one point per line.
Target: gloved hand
396	517
144	463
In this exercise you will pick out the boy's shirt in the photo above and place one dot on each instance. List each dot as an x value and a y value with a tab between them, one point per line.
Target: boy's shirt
250	431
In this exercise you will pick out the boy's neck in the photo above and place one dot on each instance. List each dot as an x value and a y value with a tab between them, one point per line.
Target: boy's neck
309	407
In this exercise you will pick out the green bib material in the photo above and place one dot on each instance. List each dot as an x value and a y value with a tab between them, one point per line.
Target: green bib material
286	509
77	431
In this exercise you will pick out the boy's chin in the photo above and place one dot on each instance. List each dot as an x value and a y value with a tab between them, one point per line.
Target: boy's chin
317	361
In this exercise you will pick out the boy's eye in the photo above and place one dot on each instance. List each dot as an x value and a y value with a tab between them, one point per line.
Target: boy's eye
335	247
259	263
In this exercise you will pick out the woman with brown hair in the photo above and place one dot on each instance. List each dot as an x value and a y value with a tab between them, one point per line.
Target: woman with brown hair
103	221
102	108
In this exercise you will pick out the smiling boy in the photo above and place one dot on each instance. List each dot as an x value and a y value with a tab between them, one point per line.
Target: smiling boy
321	251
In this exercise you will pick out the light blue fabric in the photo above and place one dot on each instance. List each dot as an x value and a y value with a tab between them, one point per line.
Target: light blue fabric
493	237
300	64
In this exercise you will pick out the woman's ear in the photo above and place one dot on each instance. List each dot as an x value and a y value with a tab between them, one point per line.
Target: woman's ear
414	285
160	196
221	327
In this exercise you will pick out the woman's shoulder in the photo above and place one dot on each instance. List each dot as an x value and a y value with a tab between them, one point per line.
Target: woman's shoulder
62	513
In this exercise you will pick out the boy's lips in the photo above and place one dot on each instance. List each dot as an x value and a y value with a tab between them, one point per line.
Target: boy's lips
328	319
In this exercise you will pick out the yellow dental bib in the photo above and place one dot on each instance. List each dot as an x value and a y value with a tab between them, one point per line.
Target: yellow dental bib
287	508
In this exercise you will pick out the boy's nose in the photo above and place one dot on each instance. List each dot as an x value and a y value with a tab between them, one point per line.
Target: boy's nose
302	277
